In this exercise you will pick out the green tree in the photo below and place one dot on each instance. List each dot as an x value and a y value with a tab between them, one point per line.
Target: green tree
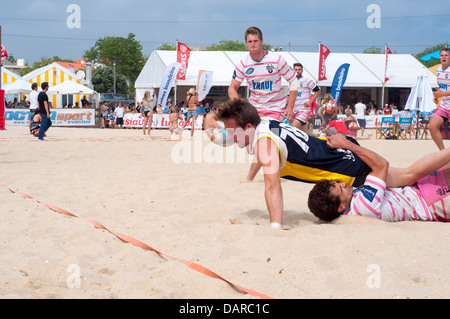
167	47
227	45
429	50
103	81
374	50
127	52
42	63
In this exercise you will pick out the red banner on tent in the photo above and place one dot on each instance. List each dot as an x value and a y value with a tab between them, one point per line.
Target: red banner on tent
388	51
183	54
323	54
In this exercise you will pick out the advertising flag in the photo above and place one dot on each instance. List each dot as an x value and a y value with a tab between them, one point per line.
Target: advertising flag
3	53
323	54
388	51
183	54
338	82
167	82
204	83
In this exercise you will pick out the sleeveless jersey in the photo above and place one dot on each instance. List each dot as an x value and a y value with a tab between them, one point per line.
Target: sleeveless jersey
264	80
443	80
305	87
306	158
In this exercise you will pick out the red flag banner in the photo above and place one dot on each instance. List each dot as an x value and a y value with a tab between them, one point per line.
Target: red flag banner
323	54
4	53
388	51
183	54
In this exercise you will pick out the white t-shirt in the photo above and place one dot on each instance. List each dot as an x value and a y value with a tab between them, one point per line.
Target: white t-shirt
119	111
360	109
389	204
34	100
264	79
443	80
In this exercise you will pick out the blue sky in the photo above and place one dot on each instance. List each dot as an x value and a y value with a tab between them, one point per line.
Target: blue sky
36	29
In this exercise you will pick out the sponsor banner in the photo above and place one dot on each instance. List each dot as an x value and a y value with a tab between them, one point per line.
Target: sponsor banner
323	54
59	117
204	83
183	54
167	81
388	51
338	82
158	121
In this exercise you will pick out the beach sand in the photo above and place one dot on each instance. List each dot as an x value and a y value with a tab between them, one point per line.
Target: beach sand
195	208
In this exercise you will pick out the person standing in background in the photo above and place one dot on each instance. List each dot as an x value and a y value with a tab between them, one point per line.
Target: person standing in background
360	110
44	110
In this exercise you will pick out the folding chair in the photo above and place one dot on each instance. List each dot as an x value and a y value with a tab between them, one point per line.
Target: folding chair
405	127
385	126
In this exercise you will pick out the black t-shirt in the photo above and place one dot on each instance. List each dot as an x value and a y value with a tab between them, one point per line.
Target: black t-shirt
41	98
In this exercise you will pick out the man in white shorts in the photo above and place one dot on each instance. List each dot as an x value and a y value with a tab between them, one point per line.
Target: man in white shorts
427	200
33	101
308	92
263	71
443	112
360	110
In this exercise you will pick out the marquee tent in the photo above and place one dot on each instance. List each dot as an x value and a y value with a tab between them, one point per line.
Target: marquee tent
54	74
8	76
366	70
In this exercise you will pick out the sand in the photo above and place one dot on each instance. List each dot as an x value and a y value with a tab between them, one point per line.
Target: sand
197	209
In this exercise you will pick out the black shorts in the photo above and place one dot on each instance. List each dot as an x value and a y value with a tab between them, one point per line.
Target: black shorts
146	113
363	171
119	121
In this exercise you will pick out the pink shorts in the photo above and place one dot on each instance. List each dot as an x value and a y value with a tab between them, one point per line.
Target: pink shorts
275	115
435	191
303	115
444	113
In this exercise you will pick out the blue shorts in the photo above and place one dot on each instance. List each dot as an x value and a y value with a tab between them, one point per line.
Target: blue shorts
362	123
191	114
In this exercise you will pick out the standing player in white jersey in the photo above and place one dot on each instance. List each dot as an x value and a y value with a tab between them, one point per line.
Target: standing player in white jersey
443	112
305	97
264	71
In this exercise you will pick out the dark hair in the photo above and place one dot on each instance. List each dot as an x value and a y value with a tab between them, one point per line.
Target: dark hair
321	203
241	111
445	49
44	85
298	64
253	30
33	86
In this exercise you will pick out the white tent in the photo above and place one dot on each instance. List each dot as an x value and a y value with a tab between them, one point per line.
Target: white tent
17	87
366	70
70	87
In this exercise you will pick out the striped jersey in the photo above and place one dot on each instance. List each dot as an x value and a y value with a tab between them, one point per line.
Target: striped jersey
264	80
307	158
443	80
389	204
305	88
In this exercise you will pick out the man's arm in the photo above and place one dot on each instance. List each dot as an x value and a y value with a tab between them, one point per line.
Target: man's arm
46	108
268	157
376	162
233	88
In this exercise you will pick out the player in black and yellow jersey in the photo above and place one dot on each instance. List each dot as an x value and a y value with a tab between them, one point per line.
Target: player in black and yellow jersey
287	152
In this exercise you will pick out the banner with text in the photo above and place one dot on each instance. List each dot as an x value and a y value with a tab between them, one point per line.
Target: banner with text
204	83
167	81
338	82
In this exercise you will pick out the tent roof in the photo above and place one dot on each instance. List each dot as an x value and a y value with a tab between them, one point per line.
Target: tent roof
10	73
366	70
70	87
43	69
434	55
19	86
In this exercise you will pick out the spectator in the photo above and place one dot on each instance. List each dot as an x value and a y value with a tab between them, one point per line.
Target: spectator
119	112
360	110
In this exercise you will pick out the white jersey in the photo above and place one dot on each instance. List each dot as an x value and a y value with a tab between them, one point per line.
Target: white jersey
305	88
443	80
264	80
389	204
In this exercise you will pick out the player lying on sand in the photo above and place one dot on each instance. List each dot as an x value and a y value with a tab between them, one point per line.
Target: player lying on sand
426	200
284	151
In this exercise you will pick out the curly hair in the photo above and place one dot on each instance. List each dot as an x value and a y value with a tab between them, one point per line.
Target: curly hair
321	203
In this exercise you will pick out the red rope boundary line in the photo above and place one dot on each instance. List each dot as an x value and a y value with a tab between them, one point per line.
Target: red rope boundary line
135	242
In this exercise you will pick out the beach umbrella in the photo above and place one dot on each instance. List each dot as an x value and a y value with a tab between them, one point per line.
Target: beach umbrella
17	87
69	87
421	97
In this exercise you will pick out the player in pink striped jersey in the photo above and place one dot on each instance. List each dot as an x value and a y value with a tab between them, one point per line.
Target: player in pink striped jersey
443	112
428	199
308	92
264	71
